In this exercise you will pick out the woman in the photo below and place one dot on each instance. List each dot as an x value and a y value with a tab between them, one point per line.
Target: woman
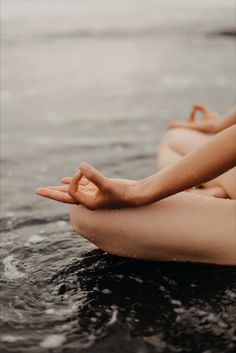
155	218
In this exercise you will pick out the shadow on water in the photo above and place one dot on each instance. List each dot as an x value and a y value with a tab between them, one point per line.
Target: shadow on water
163	307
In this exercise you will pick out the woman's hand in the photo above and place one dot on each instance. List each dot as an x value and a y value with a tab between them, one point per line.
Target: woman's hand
210	120
93	190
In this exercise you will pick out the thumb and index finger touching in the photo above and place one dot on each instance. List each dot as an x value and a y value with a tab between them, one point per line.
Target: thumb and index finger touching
87	171
197	108
191	122
93	175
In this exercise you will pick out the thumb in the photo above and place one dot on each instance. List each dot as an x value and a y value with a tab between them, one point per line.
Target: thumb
93	175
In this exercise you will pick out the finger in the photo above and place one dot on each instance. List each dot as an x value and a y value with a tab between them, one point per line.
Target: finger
66	180
55	195
84	199
175	124
191	116
73	188
63	188
200	107
197	108
93	175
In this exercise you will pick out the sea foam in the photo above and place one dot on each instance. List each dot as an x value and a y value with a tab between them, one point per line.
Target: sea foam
53	341
10	270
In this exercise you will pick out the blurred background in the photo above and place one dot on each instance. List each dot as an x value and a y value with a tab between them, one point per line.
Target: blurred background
98	81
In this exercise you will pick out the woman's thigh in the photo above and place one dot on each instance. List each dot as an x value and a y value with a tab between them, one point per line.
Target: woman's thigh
184	227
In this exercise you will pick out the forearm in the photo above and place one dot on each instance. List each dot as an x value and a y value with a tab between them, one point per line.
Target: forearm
227	119
205	163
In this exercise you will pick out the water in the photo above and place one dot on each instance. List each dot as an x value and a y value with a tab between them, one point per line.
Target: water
99	83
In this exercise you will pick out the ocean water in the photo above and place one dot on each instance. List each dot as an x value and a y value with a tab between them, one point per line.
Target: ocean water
99	81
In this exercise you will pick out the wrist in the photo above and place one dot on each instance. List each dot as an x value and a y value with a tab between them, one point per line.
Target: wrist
218	124
145	191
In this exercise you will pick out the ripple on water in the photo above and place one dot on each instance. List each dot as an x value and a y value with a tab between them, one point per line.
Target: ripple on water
99	301
10	339
35	239
53	341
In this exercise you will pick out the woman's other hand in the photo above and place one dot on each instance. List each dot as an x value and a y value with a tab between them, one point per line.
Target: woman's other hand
210	121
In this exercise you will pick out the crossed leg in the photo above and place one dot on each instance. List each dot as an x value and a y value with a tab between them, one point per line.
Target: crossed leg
184	227
179	142
176	143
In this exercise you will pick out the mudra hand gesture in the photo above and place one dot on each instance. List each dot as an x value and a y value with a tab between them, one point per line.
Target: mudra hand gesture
210	121
92	189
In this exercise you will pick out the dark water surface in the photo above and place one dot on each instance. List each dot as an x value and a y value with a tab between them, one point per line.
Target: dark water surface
74	298
99	83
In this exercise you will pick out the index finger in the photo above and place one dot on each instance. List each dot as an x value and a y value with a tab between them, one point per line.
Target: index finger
66	180
73	188
192	114
55	195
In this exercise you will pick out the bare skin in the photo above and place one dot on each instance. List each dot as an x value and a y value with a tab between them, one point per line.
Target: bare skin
211	122
180	141
175	228
184	137
184	227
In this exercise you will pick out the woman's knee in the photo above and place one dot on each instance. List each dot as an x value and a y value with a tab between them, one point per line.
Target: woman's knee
84	222
93	226
76	218
174	137
168	151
